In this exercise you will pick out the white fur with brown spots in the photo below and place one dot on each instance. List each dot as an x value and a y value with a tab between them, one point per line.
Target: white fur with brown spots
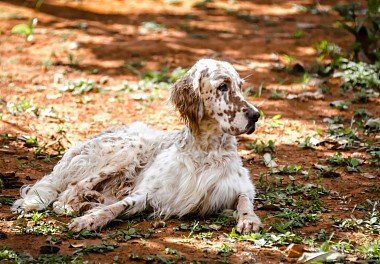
126	170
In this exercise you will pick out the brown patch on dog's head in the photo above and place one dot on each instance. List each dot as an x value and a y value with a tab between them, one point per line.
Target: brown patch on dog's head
185	96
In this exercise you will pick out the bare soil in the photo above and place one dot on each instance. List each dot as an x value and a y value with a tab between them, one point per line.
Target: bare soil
96	39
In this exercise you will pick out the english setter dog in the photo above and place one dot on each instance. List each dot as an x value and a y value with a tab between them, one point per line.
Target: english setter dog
126	170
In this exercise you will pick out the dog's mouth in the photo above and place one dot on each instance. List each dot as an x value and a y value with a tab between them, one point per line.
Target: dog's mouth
250	128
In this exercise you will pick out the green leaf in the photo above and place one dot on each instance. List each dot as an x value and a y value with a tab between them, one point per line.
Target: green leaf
22	29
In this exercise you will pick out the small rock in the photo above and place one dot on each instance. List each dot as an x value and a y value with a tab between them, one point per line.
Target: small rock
158	224
49	249
356	155
139	97
53	96
372	123
274	57
305	25
82	25
74	45
215	227
369	175
314	81
104	80
58	77
278	67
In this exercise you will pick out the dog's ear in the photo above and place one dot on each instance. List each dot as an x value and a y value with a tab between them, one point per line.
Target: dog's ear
185	96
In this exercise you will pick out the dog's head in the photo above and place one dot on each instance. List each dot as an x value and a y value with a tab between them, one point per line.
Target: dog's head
211	89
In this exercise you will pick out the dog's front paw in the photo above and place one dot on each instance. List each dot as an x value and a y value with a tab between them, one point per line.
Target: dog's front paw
248	223
90	222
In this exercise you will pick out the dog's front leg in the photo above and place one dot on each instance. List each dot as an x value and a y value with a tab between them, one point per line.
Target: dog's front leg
247	220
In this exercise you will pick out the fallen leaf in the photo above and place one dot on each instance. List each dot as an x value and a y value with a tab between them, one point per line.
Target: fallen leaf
80	245
268	161
321	257
294	250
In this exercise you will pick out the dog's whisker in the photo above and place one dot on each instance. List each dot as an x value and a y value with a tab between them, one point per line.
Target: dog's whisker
261	103
246	77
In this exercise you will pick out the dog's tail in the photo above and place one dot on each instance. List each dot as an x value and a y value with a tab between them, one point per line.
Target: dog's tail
45	191
38	196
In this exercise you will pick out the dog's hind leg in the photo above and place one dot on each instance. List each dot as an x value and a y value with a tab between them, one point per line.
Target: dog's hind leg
101	216
71	199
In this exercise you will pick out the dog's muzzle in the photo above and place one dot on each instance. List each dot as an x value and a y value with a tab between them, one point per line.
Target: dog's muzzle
252	116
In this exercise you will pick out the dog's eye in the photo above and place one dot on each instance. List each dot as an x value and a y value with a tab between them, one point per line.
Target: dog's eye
223	87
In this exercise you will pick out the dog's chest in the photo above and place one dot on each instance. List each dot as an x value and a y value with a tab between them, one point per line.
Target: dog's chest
182	183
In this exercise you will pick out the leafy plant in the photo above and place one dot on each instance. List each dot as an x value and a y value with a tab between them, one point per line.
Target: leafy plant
310	142
370	224
225	250
360	74
290	169
164	75
331	52
84	234
101	248
23	106
261	146
25	30
125	235
351	164
79	87
297	34
264	239
7	254
340	104
5	200
371	250
364	24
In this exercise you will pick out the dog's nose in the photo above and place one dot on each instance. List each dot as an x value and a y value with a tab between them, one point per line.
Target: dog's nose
252	115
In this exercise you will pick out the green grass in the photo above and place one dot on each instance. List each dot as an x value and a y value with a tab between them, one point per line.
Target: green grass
81	86
259	146
350	163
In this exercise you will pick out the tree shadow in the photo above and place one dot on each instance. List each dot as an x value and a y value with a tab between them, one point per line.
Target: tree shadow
189	37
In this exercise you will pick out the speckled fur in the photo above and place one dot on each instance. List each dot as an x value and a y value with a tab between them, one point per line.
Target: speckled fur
126	170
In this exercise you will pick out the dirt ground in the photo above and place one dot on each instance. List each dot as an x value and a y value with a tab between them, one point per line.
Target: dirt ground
104	41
